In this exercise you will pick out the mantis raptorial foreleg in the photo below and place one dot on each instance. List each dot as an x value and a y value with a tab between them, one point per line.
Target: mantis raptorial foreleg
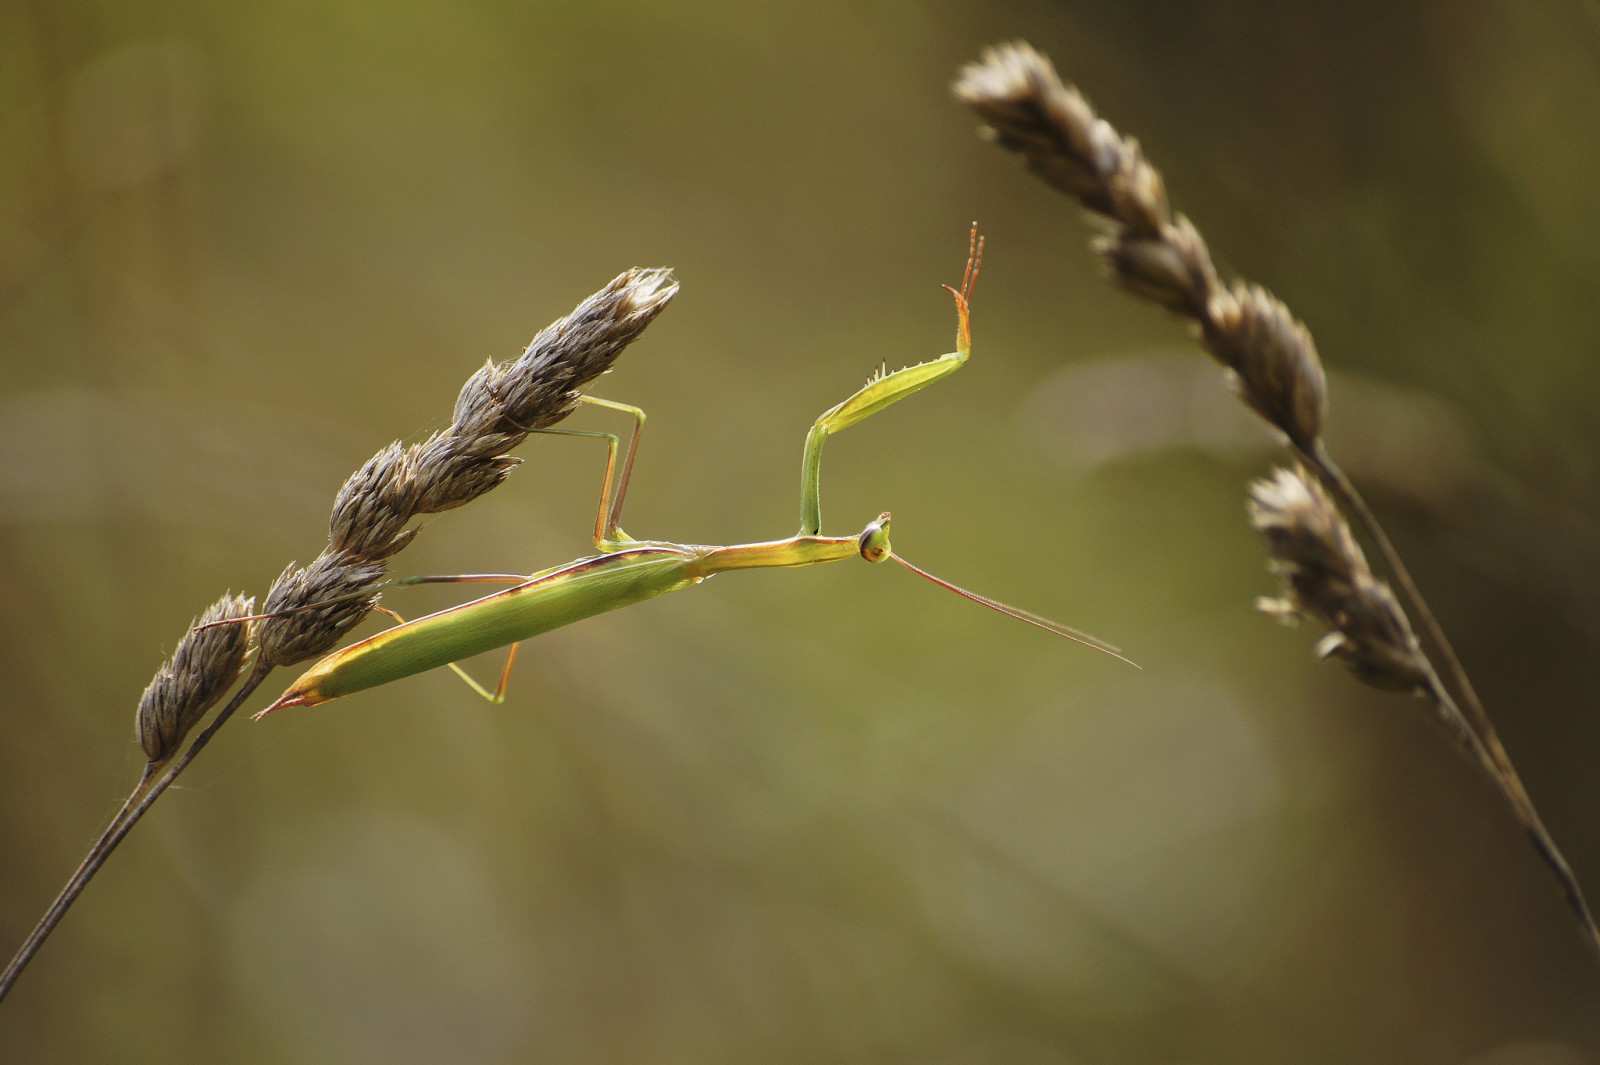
883	389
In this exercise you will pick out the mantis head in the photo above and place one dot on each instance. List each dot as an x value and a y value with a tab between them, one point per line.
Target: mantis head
874	539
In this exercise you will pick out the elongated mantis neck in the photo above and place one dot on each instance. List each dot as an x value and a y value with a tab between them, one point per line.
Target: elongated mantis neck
795	551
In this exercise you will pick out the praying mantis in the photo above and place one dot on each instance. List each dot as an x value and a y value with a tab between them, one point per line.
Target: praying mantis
627	571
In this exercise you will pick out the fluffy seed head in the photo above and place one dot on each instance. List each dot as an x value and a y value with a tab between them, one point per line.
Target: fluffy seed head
1274	361
541	387
1051	127
304	630
188	684
1327	577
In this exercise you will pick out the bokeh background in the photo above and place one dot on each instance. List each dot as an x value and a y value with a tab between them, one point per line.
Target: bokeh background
833	815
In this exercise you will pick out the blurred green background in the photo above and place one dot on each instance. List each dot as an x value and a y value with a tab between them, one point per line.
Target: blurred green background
832	815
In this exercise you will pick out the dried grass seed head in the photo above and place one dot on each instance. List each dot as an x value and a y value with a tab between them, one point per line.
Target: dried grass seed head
1277	370
1327	577
373	506
1172	268
1029	112
304	630
200	672
541	386
1274	367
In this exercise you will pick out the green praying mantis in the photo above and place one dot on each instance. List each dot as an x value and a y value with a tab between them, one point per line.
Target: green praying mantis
627	571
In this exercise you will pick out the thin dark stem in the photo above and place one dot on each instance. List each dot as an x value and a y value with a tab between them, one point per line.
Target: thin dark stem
140	800
1510	787
80	878
1467	716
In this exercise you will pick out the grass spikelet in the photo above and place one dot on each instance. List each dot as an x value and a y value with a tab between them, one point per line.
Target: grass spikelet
1326	577
208	660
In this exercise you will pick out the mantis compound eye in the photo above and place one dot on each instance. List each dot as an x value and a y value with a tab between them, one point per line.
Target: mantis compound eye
875	539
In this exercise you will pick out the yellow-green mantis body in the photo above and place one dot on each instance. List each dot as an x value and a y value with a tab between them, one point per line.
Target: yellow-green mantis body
628	571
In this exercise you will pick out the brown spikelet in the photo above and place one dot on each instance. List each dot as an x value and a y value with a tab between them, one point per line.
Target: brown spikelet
1327	577
340	583
541	386
1171	268
1026	110
188	684
1273	360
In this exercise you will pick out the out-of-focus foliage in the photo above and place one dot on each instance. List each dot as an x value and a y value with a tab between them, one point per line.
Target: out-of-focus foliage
829	815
